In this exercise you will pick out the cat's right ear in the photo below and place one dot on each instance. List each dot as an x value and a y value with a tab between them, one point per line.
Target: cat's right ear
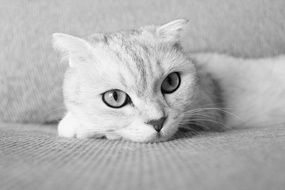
171	31
72	48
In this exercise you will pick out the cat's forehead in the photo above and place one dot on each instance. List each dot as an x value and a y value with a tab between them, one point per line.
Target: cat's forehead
138	63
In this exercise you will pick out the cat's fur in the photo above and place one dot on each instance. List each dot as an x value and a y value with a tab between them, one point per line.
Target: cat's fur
216	91
253	90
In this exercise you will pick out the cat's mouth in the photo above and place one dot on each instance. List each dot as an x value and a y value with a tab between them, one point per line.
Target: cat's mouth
159	137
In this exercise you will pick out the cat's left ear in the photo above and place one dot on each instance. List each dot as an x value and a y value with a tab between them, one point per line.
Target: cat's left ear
171	31
74	49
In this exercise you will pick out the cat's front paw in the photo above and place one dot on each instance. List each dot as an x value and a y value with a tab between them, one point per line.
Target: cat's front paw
112	136
67	127
70	127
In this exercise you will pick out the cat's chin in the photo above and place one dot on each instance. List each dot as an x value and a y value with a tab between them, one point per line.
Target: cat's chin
152	139
155	138
139	138
148	136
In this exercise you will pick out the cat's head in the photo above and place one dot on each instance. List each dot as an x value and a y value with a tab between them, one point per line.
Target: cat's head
134	83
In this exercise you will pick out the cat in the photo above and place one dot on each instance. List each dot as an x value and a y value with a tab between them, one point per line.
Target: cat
141	85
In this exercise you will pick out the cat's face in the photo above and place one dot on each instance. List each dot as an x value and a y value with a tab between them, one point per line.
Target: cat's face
135	84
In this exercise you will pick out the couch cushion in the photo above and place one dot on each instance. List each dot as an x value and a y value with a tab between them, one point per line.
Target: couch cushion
32	157
30	73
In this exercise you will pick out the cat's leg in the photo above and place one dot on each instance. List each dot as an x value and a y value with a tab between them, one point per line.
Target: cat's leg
67	126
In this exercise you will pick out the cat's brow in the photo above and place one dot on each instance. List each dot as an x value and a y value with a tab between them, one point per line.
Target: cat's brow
140	66
123	81
131	54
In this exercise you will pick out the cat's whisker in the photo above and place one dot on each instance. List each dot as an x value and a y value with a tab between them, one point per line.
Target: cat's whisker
199	116
193	123
192	130
206	120
218	109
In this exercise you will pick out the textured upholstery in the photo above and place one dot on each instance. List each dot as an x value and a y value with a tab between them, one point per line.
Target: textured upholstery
33	158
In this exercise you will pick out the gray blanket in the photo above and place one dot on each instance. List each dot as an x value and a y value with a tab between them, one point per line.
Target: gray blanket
33	158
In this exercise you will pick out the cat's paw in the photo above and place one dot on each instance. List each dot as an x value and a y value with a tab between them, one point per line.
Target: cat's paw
86	134
70	127
67	126
112	136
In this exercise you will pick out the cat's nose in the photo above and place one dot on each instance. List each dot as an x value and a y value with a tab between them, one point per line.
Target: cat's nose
157	123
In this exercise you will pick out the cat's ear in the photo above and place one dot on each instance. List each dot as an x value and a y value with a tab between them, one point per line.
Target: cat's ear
73	48
171	31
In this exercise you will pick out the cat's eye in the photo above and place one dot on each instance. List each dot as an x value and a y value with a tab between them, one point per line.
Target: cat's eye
115	98
170	83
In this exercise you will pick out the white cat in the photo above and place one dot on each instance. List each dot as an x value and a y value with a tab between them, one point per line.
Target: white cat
140	85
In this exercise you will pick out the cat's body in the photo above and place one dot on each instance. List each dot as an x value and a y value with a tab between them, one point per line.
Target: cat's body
140	85
253	90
